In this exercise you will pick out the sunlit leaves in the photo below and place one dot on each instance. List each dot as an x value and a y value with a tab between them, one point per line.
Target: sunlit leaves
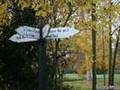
24	3
3	13
42	7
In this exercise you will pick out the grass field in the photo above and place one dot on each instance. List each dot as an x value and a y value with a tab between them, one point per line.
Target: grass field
79	82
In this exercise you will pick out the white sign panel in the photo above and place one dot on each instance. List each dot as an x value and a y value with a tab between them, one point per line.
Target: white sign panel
34	32
20	39
61	32
28	32
46	30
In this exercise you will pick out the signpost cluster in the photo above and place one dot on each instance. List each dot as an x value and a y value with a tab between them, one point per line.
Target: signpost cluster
31	34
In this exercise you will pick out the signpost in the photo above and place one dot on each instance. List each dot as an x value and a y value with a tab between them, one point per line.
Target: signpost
42	67
30	34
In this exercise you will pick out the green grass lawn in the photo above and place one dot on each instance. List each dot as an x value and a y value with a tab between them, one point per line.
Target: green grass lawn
79	82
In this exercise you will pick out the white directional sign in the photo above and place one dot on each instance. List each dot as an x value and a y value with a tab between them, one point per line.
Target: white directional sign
61	32
20	39
27	34
34	32
46	30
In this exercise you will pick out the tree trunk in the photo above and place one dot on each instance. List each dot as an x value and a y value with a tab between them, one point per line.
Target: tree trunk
110	53
93	47
103	57
114	58
110	58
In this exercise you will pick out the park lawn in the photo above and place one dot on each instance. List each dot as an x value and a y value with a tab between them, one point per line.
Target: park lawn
117	77
79	82
79	85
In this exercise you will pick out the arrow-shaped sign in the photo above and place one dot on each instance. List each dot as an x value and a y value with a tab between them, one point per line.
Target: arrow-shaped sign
61	32
34	32
21	39
28	32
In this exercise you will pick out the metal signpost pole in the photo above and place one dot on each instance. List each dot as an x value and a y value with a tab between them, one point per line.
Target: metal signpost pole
42	70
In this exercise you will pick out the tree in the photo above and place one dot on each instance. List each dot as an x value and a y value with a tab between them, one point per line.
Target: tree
94	47
75	13
18	69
